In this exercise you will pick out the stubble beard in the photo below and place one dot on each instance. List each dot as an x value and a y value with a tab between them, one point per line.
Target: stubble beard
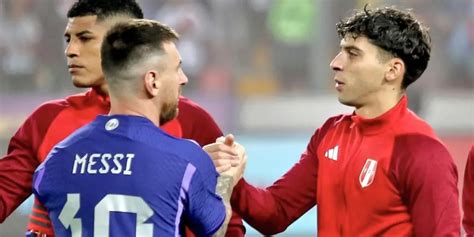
168	112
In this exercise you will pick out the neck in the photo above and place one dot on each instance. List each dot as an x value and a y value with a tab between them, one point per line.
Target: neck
379	105
134	106
102	89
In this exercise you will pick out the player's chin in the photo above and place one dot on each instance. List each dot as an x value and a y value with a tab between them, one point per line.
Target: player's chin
346	101
81	82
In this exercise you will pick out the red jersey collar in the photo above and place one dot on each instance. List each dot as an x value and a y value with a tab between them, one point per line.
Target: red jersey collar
98	98
380	123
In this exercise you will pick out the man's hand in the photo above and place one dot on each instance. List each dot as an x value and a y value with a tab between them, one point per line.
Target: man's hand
236	171
223	154
228	156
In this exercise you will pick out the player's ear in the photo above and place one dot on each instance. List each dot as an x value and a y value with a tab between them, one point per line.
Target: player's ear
152	83
396	69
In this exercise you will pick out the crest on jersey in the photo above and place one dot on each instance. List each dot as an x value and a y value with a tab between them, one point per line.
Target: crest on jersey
367	174
111	124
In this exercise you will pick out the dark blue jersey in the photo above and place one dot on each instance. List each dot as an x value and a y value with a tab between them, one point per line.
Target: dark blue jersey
123	176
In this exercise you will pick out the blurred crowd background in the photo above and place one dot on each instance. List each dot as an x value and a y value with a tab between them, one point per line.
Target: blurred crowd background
261	67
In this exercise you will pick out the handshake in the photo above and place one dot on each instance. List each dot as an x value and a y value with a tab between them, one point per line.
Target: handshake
228	156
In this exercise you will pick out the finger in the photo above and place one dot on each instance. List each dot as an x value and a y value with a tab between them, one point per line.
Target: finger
223	168
239	148
210	147
235	162
220	139
229	140
221	162
220	155
213	148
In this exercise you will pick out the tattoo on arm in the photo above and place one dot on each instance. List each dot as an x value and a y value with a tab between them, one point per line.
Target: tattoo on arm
224	189
224	186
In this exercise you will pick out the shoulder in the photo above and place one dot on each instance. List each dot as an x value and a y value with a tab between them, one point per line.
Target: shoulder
72	141
190	151
418	144
332	123
78	135
336	120
187	106
418	152
411	123
38	122
197	123
186	148
50	108
415	136
53	107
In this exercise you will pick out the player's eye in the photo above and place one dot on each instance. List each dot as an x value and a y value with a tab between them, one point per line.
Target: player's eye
85	39
353	53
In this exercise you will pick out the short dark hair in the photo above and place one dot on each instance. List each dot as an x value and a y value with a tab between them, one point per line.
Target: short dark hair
129	43
105	8
395	31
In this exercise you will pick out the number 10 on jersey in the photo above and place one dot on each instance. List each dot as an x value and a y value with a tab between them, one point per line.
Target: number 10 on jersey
110	203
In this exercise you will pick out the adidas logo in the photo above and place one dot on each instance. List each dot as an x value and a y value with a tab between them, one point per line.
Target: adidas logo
332	153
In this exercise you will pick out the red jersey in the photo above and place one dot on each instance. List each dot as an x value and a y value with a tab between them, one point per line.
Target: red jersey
468	195
385	176
54	121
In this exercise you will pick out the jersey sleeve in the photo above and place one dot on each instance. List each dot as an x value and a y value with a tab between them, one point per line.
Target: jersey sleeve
18	165
427	179
468	195
197	123
205	211
271	210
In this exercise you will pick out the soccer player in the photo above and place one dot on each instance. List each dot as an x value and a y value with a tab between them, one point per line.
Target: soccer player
380	171
123	176
468	195
55	120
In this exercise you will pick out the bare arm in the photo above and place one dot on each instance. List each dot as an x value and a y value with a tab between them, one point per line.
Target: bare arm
224	189
228	179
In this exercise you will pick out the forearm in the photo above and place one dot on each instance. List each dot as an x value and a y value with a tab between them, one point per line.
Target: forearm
258	208
273	209
224	189
10	197
236	227
16	172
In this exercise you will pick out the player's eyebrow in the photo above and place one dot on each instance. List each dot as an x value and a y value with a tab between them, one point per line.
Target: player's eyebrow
84	32
351	48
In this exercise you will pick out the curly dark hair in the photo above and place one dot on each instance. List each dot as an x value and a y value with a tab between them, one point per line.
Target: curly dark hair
395	31
105	8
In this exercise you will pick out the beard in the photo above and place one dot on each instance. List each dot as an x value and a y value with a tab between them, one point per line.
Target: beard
169	111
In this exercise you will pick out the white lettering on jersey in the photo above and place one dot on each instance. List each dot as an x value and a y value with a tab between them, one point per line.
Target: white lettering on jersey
105	163
118	166
129	164
98	163
79	161
92	162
